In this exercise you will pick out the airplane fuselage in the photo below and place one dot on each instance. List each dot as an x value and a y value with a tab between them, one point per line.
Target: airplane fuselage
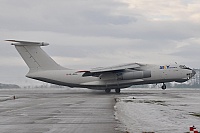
42	67
73	78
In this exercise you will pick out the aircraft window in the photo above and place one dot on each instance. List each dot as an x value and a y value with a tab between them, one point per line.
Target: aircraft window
182	66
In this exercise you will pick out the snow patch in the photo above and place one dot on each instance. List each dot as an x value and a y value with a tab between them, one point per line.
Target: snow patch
157	114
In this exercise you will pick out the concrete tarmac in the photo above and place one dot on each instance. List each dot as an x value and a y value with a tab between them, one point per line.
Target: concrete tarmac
62	110
56	111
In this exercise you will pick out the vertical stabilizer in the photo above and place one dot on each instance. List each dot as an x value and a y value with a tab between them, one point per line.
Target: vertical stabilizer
34	56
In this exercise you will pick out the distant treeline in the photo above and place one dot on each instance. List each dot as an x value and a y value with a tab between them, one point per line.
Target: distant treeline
169	85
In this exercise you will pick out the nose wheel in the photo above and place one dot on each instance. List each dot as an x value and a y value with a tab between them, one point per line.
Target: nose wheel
164	86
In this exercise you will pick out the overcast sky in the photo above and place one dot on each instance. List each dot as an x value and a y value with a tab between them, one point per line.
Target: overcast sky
84	34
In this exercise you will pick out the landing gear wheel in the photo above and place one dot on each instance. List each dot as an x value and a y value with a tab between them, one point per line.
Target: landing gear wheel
164	86
107	90
117	90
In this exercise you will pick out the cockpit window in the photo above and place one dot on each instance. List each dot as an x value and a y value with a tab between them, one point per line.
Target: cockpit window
184	67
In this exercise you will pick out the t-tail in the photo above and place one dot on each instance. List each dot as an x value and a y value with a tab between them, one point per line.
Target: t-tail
35	58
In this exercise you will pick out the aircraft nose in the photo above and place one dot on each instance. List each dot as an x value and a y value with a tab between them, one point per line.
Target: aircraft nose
193	72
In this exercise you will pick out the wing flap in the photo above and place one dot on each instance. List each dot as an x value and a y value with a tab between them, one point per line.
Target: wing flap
116	68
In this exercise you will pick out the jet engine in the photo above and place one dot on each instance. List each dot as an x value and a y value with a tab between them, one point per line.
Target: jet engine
134	75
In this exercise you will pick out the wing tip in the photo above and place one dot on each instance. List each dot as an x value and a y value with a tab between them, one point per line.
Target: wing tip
10	40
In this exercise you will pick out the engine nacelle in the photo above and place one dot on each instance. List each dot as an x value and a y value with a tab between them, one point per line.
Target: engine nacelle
134	75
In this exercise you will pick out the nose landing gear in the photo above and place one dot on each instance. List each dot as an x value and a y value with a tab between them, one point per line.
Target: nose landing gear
164	86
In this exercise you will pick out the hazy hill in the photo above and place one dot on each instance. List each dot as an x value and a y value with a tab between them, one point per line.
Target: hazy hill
4	86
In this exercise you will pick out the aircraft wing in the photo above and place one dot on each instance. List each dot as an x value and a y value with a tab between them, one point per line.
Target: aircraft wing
114	69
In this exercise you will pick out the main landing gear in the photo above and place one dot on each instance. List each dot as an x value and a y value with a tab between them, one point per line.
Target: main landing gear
164	86
107	90
117	90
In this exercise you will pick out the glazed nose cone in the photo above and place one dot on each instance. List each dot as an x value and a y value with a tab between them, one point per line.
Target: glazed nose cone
193	72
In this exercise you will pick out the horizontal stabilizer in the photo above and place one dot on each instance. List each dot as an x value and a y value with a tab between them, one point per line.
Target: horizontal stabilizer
25	43
34	56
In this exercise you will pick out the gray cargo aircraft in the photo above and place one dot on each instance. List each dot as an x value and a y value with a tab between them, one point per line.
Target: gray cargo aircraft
42	67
